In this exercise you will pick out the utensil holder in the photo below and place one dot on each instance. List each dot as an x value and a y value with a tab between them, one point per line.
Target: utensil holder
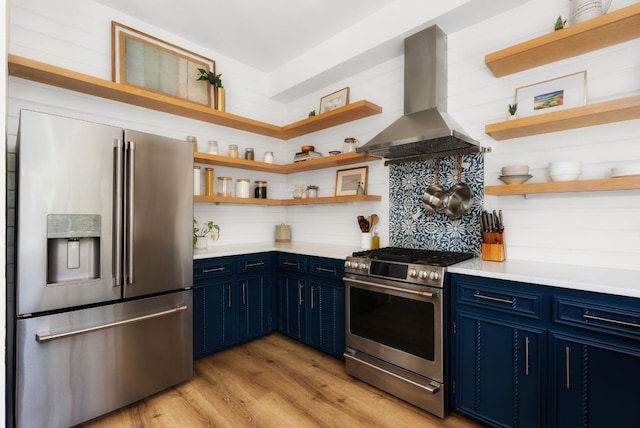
493	246
365	240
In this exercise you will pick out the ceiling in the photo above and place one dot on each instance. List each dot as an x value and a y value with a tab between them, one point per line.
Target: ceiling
262	34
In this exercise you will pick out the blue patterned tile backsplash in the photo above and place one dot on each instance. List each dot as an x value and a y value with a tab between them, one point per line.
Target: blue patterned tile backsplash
412	226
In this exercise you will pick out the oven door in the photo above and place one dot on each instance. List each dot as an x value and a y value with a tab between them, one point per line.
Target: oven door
396	324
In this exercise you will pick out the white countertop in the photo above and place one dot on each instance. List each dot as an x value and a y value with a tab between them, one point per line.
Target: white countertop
610	281
305	248
602	280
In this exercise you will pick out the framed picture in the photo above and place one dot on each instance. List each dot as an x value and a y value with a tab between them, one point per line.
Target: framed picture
552	95
347	180
141	60
333	101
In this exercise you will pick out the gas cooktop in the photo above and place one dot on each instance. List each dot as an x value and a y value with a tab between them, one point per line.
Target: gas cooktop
415	256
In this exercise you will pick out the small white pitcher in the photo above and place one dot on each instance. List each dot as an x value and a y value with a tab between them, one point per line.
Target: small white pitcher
587	9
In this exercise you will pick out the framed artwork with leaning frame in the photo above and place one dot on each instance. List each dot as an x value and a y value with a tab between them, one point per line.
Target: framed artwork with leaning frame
347	181
142	60
552	95
335	100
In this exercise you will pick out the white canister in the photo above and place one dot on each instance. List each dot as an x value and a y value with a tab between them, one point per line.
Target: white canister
268	157
243	188
588	9
365	238
196	181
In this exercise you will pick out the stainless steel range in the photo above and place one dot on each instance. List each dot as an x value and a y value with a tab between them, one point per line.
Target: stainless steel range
396	300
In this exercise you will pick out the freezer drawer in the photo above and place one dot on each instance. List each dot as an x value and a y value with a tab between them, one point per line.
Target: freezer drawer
75	366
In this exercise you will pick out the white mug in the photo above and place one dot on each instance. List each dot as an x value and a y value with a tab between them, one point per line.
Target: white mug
587	9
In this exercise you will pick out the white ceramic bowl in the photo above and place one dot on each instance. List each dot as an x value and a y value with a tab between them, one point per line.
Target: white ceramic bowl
564	177
515	179
626	170
565	167
515	170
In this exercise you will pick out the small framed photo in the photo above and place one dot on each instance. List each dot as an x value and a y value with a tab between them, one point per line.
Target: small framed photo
141	60
333	101
348	180
552	95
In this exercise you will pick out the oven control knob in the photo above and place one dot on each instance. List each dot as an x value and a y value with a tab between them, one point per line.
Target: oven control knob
434	275
347	264
413	273
423	274
363	266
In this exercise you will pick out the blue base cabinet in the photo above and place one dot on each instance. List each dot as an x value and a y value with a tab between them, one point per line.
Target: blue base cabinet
595	360
233	298
311	301
499	371
531	356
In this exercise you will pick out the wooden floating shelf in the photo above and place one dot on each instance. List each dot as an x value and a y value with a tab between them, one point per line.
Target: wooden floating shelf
308	165
67	79
605	184
348	113
286	202
578	117
597	33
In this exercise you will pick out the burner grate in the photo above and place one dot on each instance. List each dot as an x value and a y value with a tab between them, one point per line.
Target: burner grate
417	256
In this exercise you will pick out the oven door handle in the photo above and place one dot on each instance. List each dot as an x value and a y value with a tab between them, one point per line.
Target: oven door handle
429	388
432	295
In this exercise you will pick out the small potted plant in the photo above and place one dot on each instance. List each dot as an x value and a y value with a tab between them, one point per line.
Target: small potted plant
513	108
312	191
312	113
218	90
200	233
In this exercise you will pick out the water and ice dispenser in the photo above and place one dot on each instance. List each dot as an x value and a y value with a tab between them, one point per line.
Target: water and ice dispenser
73	247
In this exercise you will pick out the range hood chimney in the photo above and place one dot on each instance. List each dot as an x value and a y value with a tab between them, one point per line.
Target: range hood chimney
426	131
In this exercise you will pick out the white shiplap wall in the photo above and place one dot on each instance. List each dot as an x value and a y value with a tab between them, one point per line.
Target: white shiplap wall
591	229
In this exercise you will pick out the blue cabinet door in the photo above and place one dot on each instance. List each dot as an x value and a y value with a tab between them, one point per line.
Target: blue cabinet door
499	371
595	383
254	306
218	318
292	319
326	317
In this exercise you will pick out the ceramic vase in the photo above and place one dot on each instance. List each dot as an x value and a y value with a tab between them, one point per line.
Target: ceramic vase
200	243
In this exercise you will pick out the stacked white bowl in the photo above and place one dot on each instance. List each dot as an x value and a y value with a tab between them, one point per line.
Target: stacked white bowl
515	174
564	170
515	170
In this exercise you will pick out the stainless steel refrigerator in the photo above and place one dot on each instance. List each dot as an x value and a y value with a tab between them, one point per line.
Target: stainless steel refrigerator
103	270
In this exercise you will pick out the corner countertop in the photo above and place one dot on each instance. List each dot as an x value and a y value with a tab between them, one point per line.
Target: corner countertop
305	248
601	280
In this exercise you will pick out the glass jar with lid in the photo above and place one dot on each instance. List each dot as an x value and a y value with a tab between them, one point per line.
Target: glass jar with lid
224	186
193	140
213	147
248	153
260	189
233	151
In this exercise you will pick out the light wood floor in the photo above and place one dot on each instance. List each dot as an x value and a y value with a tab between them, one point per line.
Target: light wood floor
273	382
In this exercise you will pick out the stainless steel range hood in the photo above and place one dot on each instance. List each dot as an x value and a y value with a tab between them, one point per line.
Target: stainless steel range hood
426	131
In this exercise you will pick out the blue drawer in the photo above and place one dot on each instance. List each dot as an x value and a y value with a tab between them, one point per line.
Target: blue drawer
212	268
293	262
327	268
607	314
503	296
254	262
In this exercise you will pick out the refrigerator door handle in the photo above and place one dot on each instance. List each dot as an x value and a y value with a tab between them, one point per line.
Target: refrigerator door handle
118	176
47	337
131	167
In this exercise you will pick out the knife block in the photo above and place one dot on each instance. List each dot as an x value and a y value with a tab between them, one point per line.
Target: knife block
493	246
